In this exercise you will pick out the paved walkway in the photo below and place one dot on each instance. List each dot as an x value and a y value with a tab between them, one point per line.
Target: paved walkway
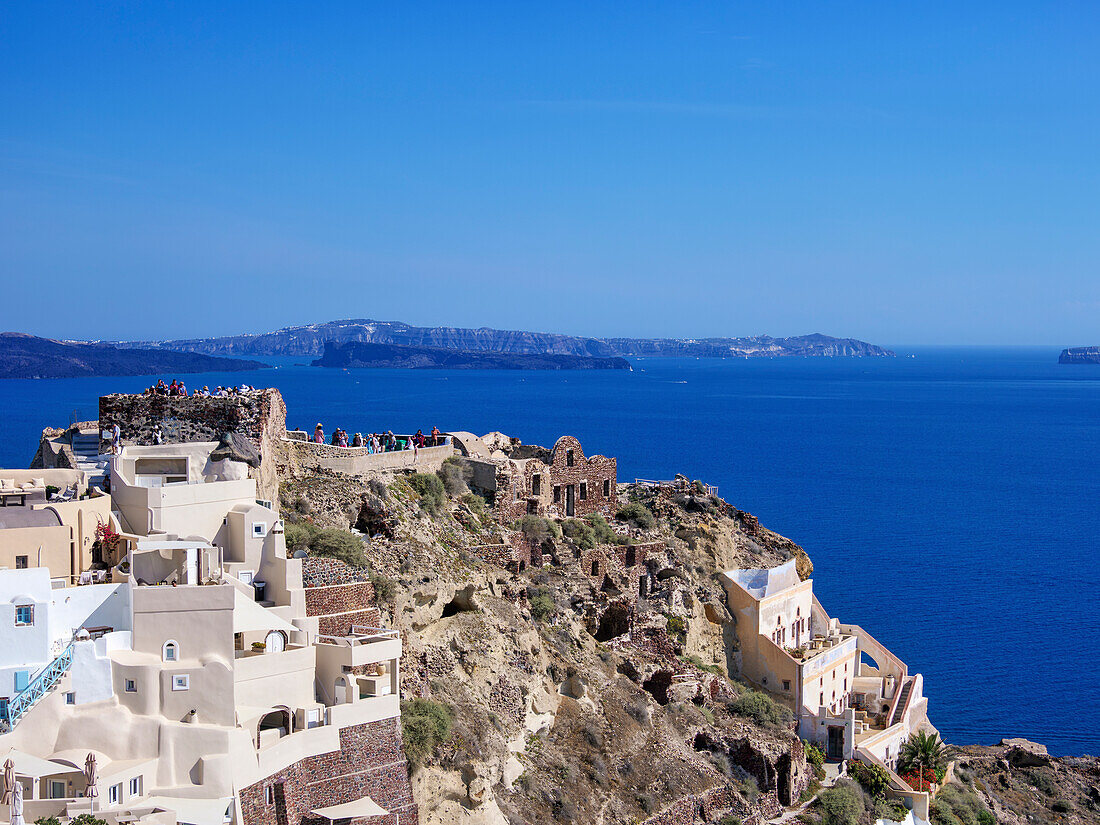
832	774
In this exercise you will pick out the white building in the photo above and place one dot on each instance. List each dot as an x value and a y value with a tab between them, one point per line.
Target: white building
200	678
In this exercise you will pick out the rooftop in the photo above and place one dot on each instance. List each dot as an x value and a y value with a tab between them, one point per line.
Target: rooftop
763	582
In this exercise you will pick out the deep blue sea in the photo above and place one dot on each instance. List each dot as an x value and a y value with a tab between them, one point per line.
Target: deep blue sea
950	501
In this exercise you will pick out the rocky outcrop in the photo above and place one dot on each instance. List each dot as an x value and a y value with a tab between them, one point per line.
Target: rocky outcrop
591	687
1021	783
353	354
25	356
311	339
1080	355
250	425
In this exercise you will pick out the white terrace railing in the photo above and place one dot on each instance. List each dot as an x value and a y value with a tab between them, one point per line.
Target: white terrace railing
41	685
360	635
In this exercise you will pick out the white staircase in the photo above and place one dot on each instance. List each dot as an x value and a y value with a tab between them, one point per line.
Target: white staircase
85	446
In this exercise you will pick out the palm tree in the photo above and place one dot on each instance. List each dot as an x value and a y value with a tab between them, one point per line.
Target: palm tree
923	752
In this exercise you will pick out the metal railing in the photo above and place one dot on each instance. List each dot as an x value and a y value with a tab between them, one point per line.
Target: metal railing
42	684
711	489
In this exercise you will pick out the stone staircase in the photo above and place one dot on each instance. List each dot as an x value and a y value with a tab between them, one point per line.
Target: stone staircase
85	446
903	701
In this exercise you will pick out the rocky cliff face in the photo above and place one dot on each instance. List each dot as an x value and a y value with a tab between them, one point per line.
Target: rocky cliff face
576	698
1022	784
352	354
310	340
1080	355
24	356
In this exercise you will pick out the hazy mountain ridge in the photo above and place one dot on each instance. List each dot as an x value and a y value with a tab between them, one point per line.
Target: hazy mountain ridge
25	356
310	340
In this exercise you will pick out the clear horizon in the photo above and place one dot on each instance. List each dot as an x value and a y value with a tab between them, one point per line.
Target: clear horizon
675	170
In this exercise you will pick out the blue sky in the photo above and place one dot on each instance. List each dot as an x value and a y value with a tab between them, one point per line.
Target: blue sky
903	173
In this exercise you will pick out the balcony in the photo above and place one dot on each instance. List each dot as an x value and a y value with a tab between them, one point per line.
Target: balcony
365	646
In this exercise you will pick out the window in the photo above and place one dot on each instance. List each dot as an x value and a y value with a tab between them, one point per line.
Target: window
181	682
21	562
595	567
821	700
70	698
845	684
171	651
269	795
24	615
568	458
131	686
519	493
584	491
22	679
259	529
557	493
607	488
114	794
786	684
536	485
135	786
4	707
57	789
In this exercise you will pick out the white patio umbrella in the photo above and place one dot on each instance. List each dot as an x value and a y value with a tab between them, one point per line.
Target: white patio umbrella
90	791
17	804
9	782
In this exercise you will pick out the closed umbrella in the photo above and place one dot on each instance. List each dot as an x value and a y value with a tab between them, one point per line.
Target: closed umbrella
90	790
9	782
17	804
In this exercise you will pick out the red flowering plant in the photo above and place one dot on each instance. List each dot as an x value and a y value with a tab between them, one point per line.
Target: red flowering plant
920	780
107	538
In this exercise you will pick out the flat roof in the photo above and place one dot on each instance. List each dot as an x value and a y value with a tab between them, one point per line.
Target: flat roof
763	582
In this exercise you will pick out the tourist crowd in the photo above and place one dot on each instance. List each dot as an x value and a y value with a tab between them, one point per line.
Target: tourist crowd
385	442
177	388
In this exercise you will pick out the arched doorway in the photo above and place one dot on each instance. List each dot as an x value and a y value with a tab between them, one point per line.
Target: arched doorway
275	641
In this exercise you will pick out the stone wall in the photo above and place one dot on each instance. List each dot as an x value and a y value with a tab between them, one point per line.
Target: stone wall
558	470
259	414
371	762
306	457
340	596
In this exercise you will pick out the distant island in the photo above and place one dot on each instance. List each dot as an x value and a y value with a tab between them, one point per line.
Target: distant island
25	356
352	354
311	339
1080	355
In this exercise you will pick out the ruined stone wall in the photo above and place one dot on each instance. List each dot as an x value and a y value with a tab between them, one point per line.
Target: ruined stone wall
515	484
371	762
306	457
260	415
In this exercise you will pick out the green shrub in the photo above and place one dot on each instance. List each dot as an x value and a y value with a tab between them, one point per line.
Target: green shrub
677	628
956	804
542	605
636	513
761	708
840	805
730	819
455	475
814	755
47	820
298	535
872	778
603	531
476	503
580	533
339	544
537	529
87	819
750	790
384	587
424	725
429	487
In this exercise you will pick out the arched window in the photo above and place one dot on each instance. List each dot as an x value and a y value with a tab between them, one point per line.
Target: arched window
170	652
275	641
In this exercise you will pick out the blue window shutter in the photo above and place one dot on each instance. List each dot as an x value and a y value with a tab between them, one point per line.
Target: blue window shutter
22	679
